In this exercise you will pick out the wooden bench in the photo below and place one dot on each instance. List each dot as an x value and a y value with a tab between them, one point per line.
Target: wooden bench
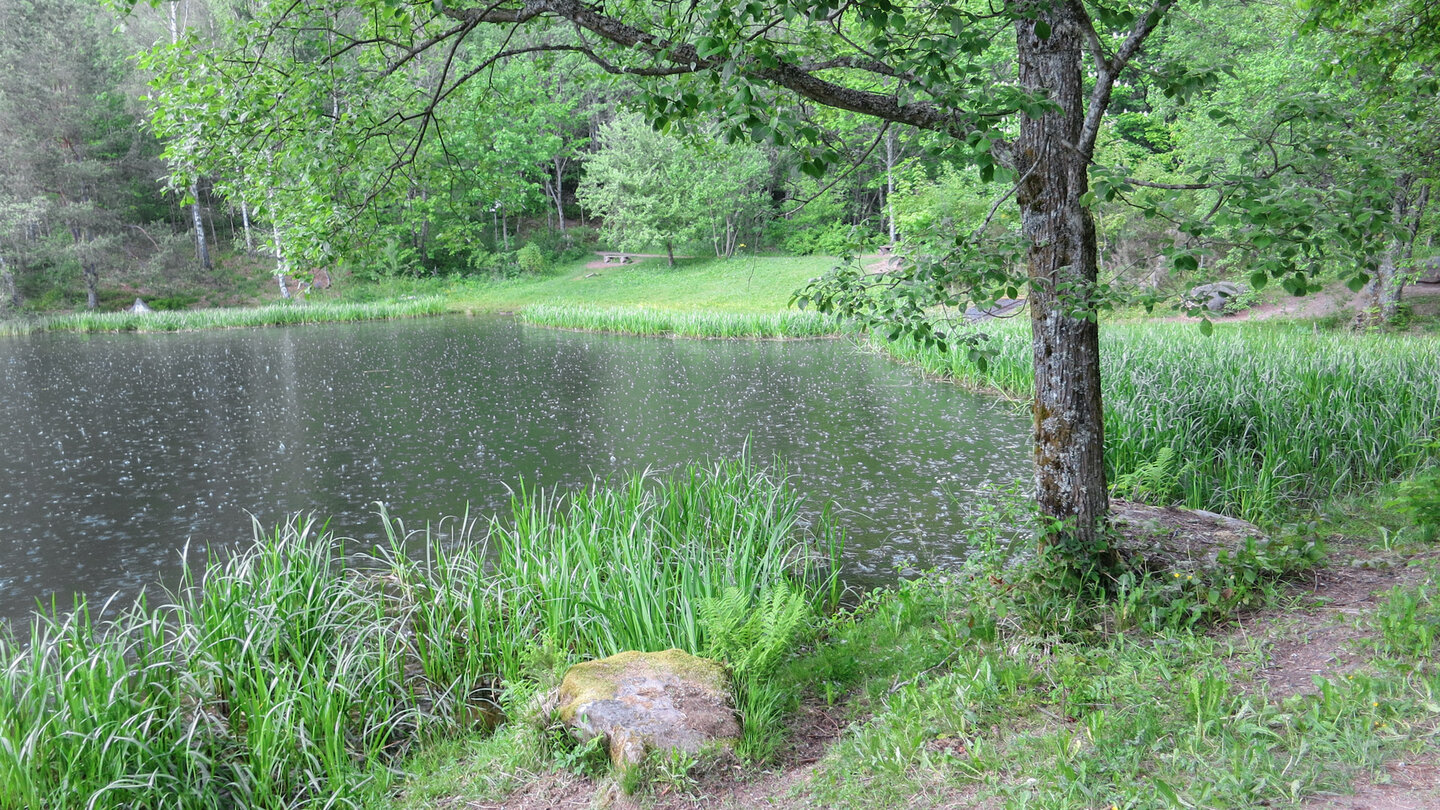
615	258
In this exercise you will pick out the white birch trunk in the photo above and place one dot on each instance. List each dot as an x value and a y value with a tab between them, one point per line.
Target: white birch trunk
245	222
201	247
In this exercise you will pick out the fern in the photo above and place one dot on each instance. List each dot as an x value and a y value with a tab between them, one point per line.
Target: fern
753	639
1153	482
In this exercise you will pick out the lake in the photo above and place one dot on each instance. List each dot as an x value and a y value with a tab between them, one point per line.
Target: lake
116	451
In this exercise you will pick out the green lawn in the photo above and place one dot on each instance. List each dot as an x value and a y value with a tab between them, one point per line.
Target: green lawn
741	284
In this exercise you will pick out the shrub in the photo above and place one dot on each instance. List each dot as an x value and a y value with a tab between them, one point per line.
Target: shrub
530	260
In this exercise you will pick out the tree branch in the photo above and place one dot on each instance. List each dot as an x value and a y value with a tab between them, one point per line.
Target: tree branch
792	76
1111	68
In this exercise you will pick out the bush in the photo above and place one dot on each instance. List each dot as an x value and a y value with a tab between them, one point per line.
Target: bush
530	260
1420	499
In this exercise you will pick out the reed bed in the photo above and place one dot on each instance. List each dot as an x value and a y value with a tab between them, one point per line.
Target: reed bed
293	674
697	324
194	319
1262	421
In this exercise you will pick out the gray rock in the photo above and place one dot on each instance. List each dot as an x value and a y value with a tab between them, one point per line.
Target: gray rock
1428	270
139	307
643	701
1003	307
1214	296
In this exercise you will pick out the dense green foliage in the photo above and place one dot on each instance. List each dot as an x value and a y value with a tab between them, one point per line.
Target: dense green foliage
298	673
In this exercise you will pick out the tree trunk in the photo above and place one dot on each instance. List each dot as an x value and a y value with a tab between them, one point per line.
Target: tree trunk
9	293
890	182
1389	281
245	221
280	266
670	252
92	285
559	193
1069	427
202	250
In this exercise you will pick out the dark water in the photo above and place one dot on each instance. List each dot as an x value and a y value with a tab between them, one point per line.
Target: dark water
116	450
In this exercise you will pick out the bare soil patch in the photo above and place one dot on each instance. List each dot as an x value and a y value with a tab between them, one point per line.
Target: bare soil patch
1424	299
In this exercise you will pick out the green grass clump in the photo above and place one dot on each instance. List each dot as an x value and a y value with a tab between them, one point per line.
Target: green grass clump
1263	422
193	319
295	674
647	321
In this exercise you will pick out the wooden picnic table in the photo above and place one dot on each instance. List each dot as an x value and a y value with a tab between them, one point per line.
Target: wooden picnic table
614	258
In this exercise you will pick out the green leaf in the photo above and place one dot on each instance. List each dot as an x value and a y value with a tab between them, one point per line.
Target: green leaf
1357	282
1168	793
1042	29
1206	327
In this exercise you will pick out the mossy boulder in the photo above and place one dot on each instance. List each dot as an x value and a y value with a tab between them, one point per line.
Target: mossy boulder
642	701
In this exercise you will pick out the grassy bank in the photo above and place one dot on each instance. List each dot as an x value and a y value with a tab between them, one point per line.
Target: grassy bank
1257	420
184	320
991	686
297	675
750	284
706	324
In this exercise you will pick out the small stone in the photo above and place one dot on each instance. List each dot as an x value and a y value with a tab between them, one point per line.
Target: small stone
642	701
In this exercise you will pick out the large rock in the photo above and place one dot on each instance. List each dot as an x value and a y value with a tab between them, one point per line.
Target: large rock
642	701
1214	296
1429	270
139	307
1167	538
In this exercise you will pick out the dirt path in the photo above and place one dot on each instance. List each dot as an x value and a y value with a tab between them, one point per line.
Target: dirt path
1323	635
1424	299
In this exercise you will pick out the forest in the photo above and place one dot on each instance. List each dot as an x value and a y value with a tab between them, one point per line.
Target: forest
1293	141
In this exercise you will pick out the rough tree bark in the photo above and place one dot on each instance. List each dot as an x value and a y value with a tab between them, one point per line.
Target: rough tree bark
1052	162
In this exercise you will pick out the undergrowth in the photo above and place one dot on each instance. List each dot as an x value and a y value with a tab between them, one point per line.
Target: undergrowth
298	673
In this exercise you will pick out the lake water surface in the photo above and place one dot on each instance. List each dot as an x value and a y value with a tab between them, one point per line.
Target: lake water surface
117	450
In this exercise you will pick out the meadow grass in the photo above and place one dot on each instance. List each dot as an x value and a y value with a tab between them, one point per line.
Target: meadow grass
739	284
193	319
1260	421
1035	715
703	324
296	674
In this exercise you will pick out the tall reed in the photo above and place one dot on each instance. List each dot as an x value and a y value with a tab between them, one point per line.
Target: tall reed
1265	419
701	324
193	319
291	674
